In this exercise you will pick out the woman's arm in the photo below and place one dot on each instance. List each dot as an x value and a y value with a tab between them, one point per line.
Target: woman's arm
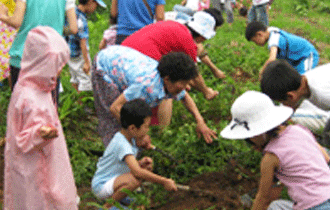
117	105
201	128
114	9
18	16
160	12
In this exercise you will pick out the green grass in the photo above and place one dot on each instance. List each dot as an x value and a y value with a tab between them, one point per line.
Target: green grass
230	51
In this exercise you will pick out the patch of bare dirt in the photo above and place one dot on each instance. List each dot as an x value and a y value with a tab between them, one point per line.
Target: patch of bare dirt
220	190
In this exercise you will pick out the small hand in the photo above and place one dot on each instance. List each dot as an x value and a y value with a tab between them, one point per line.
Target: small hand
86	68
170	185
48	132
146	163
145	143
207	133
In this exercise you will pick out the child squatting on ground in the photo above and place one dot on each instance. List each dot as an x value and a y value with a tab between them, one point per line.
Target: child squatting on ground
118	168
80	62
38	174
299	52
290	154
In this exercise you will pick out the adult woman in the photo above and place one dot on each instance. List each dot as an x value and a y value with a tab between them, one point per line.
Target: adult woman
28	15
122	74
133	15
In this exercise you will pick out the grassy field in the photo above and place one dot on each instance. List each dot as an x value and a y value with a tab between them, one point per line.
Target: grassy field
230	51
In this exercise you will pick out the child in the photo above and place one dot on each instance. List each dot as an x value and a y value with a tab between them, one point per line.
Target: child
79	64
38	173
258	11
109	35
281	82
290	152
191	6
299	52
118	168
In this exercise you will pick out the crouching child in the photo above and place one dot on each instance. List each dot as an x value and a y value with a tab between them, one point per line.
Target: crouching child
118	168
290	154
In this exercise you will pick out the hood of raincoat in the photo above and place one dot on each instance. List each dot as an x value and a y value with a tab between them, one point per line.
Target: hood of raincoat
45	54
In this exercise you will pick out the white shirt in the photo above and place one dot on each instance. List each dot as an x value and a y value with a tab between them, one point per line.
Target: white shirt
192	4
259	2
318	80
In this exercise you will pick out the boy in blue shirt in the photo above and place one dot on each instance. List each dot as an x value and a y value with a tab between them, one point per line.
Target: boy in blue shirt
299	52
118	168
79	64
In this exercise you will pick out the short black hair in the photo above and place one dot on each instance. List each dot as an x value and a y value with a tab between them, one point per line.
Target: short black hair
177	66
243	11
216	14
252	28
83	2
134	112
279	78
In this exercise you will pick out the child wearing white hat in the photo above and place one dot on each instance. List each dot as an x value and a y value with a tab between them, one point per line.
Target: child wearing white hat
290	153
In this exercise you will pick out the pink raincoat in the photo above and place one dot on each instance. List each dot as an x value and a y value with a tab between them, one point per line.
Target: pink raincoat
38	174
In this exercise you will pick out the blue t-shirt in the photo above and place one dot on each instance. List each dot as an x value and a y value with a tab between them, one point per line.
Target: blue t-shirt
133	15
112	162
134	74
83	33
292	48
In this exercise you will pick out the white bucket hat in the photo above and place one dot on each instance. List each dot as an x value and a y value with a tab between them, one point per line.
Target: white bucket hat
203	23
254	113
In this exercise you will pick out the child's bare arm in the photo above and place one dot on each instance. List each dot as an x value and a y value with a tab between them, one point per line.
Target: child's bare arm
84	51
325	154
269	163
144	174
183	2
72	27
272	57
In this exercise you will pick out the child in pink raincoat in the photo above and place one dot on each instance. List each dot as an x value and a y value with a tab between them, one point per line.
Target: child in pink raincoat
38	174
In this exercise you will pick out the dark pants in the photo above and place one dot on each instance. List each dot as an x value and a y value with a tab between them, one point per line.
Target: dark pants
120	38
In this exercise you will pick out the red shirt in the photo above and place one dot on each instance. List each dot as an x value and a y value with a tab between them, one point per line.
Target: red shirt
158	39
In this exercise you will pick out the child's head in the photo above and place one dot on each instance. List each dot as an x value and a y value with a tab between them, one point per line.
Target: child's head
253	115
91	5
280	81
176	69
45	54
243	11
204	23
257	32
135	116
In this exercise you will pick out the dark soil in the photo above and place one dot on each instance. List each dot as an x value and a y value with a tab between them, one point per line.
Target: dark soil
220	190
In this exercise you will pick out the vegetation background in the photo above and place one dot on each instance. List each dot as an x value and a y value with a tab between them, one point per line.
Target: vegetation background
233	54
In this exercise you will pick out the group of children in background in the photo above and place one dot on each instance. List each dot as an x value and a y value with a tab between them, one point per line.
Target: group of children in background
38	173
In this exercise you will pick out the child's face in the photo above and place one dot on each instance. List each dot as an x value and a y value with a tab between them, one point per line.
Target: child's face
175	87
141	132
91	6
258	142
292	100
260	38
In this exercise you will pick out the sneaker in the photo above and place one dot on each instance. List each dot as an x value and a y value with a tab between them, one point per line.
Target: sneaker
127	201
121	208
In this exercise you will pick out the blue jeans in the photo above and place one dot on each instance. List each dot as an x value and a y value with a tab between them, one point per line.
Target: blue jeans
180	8
288	205
258	13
